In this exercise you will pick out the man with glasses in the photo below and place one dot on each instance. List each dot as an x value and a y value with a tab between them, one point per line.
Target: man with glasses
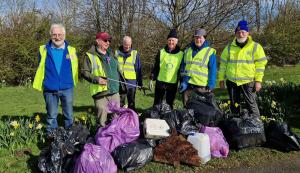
100	69
199	69
130	66
243	63
56	76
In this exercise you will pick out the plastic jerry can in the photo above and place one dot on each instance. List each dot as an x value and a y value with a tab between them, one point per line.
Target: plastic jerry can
200	142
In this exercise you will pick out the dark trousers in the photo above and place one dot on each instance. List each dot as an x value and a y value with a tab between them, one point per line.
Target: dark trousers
162	89
248	91
130	98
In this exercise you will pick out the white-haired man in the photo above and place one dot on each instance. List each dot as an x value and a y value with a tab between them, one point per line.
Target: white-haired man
131	69
56	76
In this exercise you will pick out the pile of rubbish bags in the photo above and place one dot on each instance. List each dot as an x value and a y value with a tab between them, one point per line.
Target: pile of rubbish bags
193	136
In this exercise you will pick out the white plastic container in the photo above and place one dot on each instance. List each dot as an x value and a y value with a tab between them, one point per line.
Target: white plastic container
200	142
156	128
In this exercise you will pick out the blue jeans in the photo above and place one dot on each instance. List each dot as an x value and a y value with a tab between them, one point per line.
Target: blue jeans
52	99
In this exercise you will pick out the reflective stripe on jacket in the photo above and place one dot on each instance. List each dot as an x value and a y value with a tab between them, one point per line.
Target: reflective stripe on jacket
169	66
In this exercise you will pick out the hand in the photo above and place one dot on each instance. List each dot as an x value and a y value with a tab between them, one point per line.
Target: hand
102	81
222	84
183	87
150	85
257	86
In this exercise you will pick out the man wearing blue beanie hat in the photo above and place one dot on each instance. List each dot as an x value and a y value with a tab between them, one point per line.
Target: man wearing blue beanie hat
242	65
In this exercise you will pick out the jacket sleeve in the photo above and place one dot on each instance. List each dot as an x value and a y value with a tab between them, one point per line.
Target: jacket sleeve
86	71
260	61
223	64
138	69
156	68
212	71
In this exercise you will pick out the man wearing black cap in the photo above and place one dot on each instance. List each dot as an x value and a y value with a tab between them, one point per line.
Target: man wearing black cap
199	69
100	65
166	70
242	65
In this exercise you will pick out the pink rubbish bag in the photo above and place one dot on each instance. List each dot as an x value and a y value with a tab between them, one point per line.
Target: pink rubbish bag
219	147
123	129
95	159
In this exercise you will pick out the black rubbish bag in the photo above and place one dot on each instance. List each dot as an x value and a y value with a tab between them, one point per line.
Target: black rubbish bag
157	110
133	155
182	120
243	132
206	110
56	157
280	137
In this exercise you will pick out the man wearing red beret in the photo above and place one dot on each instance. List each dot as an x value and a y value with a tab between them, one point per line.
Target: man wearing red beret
100	65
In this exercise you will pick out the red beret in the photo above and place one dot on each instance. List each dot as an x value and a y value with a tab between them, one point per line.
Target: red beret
103	36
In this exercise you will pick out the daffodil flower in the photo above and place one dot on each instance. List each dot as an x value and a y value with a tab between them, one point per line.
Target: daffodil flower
236	105
12	134
15	124
39	126
228	102
37	118
30	125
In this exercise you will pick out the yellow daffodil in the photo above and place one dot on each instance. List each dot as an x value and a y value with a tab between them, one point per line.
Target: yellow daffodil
12	134
228	102
83	118
37	118
39	126
30	125
273	104
263	118
236	105
15	124
225	105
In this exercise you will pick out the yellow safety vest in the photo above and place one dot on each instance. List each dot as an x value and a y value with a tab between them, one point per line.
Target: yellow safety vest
127	67
97	70
169	66
40	73
197	66
243	65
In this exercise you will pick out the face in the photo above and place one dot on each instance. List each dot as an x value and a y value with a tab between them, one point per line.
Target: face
127	45
103	44
199	40
57	37
172	42
241	36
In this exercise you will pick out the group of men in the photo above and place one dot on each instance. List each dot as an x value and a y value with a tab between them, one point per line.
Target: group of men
115	75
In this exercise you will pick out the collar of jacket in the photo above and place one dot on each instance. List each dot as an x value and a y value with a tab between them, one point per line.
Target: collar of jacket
196	48
49	44
175	51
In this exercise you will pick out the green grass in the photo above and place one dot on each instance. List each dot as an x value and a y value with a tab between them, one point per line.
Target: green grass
24	101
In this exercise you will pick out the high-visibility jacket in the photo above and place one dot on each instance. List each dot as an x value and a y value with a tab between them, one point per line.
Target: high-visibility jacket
169	66
243	65
40	74
127	67
197	66
97	70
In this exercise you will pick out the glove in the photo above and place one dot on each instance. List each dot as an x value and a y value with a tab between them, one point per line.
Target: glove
150	85
184	84
183	87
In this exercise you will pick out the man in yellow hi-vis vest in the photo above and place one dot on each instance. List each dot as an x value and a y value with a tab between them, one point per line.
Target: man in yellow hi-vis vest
100	65
166	70
199	68
56	76
131	69
243	63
